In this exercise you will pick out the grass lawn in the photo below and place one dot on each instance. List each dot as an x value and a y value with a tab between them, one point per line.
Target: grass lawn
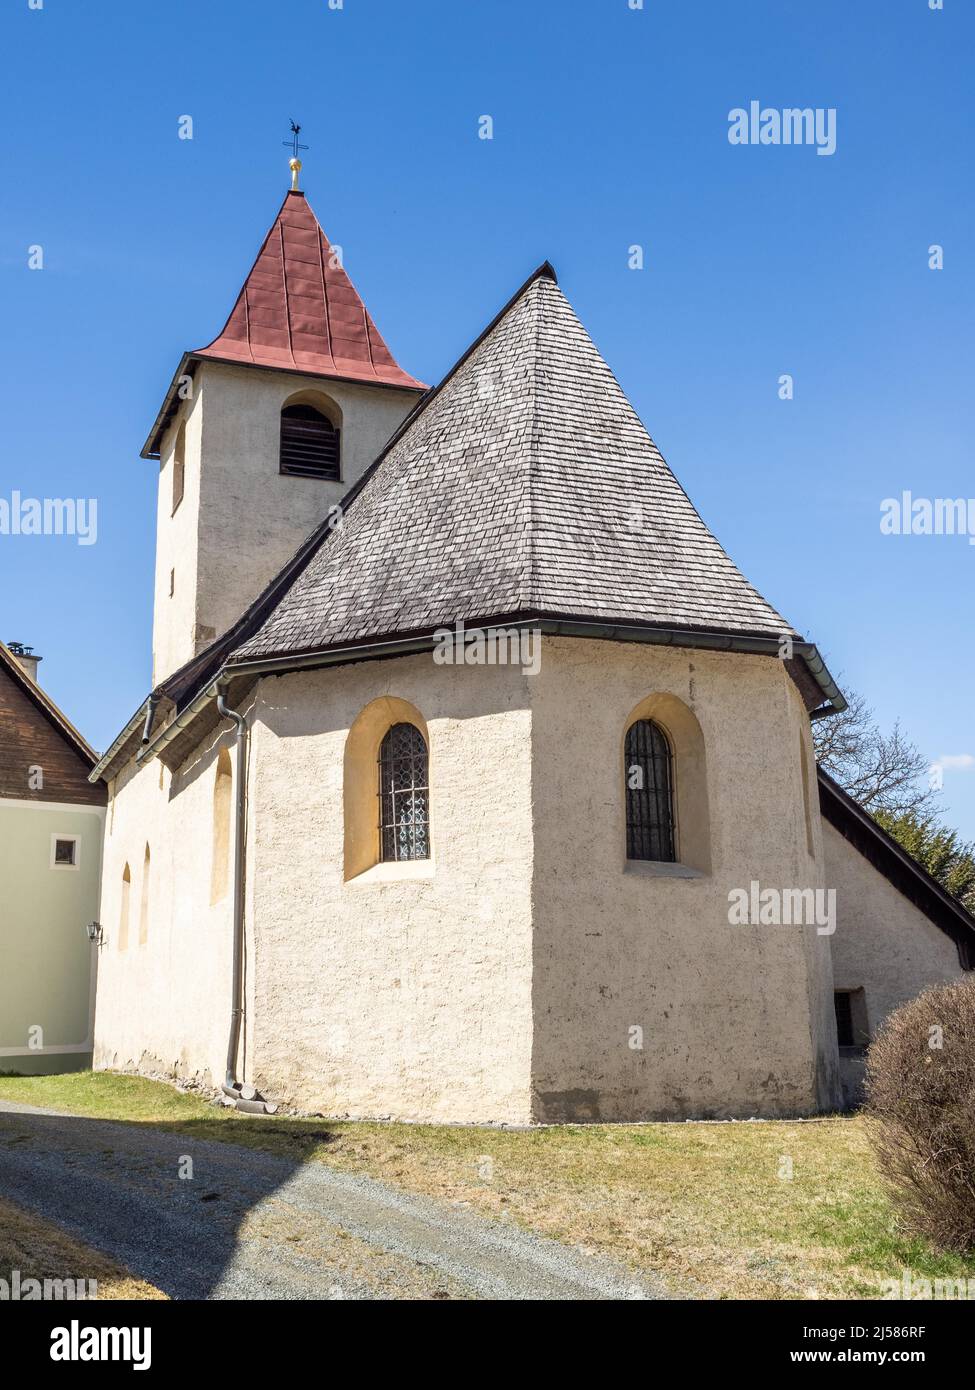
707	1206
42	1251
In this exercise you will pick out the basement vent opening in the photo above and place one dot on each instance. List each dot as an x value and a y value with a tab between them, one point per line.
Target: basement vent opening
852	1027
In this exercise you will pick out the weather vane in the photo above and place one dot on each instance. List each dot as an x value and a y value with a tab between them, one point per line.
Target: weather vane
294	163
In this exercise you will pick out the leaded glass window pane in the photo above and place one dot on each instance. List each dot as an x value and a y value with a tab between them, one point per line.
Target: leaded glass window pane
404	795
649	793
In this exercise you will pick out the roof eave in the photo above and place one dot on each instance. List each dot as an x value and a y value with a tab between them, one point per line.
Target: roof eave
408	644
849	818
101	768
567	626
151	449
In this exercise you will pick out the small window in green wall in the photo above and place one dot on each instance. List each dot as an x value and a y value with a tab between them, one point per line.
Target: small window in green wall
65	851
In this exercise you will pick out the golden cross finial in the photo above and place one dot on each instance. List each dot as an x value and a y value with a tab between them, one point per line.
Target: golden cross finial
294	163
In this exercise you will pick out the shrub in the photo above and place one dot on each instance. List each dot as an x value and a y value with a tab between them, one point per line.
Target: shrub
921	1112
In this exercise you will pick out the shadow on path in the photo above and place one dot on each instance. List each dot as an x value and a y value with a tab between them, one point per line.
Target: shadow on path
204	1219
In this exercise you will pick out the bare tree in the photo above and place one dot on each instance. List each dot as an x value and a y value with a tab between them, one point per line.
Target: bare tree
883	772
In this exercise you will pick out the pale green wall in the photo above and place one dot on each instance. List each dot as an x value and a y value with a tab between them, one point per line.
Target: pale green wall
45	956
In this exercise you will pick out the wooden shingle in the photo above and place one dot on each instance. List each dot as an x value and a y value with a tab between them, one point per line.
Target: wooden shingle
527	484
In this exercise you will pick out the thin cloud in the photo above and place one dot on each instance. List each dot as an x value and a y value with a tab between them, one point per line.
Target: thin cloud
959	762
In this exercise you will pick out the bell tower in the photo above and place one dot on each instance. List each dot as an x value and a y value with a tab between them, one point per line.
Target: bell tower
264	430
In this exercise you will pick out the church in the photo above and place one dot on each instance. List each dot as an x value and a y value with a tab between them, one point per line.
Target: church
447	776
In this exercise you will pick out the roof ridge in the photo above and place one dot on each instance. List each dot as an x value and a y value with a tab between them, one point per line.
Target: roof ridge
507	489
284	319
531	593
282	316
40	698
518	492
186	679
242	292
624	402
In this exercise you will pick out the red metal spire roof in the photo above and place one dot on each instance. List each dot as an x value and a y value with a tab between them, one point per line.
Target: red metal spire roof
300	311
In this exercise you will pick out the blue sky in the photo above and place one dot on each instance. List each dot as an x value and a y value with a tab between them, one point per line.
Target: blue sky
610	129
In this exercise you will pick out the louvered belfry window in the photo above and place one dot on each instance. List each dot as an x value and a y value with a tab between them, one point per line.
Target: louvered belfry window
309	443
649	793
404	795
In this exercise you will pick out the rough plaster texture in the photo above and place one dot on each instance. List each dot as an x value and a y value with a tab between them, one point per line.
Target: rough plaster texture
240	519
735	1020
883	945
498	981
405	991
174	614
163	1004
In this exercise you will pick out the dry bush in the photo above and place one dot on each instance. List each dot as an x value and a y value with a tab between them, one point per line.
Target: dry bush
921	1112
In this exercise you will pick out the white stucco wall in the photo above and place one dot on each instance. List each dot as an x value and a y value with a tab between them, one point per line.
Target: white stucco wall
395	994
500	980
883	944
736	1020
241	520
163	1005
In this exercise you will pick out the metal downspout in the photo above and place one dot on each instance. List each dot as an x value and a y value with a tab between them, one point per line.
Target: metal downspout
150	715
244	1095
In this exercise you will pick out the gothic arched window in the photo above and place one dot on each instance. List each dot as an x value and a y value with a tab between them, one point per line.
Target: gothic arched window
309	443
404	795
649	777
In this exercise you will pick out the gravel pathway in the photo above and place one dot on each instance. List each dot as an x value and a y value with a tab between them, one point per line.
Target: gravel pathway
249	1224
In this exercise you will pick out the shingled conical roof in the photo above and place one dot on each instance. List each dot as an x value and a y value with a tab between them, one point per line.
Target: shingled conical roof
526	484
299	310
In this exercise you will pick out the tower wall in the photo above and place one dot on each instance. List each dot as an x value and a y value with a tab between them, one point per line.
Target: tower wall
241	519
